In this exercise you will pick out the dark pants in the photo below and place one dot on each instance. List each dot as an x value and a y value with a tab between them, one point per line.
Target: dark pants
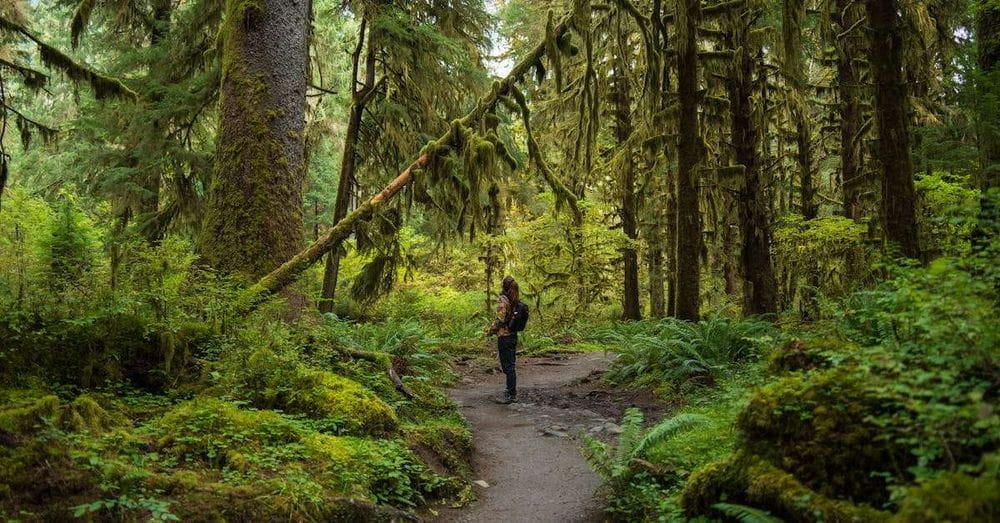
507	346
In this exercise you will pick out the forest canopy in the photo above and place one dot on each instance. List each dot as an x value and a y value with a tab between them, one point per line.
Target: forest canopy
248	249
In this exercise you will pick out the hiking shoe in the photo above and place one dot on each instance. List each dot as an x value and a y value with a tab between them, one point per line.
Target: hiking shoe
506	399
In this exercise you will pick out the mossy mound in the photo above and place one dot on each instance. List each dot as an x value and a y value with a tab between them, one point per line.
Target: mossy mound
27	411
273	381
443	443
750	480
219	433
820	427
952	498
322	394
804	355
386	471
25	416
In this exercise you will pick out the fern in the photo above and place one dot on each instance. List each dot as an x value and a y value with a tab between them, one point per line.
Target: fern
664	430
746	514
633	442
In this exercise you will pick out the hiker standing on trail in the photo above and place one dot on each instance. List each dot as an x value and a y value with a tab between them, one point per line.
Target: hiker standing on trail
511	318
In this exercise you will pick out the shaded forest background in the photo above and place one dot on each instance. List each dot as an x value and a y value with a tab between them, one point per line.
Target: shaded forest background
242	240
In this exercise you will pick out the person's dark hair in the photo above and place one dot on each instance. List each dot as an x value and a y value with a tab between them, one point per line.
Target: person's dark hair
509	289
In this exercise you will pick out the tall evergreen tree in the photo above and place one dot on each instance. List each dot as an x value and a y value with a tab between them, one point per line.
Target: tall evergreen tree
892	116
254	218
690	145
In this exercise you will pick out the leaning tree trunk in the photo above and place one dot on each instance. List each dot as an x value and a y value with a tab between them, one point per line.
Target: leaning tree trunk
689	155
891	113
349	159
760	295
254	222
848	79
631	308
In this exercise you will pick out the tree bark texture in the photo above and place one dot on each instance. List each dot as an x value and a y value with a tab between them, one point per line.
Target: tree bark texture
892	117
689	234
254	219
760	295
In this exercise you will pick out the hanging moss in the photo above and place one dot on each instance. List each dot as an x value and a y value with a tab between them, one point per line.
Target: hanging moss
552	50
103	86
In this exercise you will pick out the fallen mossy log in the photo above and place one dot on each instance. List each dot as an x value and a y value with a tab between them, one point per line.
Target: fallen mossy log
288	272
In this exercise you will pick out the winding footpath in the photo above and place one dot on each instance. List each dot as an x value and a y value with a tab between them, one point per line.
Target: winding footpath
528	465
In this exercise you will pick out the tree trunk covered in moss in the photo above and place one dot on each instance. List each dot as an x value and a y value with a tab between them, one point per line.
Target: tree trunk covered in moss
760	293
254	220
847	15
688	16
631	308
349	160
892	116
793	11
657	304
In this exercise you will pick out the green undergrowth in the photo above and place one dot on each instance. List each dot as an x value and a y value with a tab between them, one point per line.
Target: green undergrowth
280	422
887	411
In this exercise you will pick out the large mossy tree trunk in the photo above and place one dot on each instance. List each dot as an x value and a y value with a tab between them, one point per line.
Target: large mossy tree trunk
254	221
760	294
631	308
892	116
689	236
349	159
848	18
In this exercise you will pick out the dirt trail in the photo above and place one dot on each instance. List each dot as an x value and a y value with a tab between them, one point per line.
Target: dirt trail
529	453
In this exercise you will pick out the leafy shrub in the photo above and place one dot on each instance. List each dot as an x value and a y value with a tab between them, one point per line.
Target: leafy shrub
946	211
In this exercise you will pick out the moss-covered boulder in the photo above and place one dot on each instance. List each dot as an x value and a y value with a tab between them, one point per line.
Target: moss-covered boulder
753	481
24	417
274	381
322	394
822	428
26	411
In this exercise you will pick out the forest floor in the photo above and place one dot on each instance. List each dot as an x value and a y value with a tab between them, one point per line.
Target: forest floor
528	464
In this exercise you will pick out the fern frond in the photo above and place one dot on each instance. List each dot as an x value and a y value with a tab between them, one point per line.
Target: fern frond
665	429
746	514
630	436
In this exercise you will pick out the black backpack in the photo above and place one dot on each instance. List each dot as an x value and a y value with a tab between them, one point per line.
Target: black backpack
519	317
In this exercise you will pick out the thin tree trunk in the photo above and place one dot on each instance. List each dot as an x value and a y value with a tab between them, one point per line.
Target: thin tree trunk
689	235
631	308
657	304
891	104
848	81
254	220
793	11
348	161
